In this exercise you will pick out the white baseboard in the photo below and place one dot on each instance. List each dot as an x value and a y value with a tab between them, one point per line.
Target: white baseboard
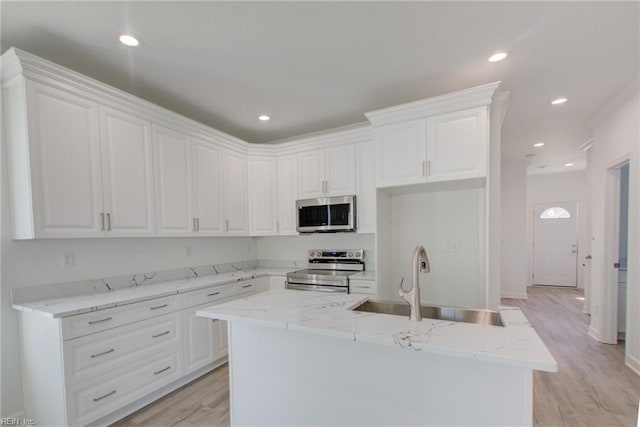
514	295
594	333
633	364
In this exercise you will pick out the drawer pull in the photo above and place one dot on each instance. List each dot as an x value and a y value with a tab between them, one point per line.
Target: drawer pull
159	335
92	322
213	293
159	306
162	370
111	350
111	393
247	286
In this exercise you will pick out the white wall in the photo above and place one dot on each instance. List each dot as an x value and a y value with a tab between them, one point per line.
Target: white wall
515	253
616	139
559	187
287	248
37	262
450	224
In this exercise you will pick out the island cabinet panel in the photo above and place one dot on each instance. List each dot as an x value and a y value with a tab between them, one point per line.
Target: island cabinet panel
360	383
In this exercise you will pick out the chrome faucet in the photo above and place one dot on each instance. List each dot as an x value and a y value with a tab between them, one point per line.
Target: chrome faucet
420	264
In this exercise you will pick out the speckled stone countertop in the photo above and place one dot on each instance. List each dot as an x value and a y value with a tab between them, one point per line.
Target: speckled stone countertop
515	344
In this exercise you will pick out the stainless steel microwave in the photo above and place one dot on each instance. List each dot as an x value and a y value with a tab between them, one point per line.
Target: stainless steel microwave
326	214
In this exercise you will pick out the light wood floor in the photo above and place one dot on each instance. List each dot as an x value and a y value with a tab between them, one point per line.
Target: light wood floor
591	388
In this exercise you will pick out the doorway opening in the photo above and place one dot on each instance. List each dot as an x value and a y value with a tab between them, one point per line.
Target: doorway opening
555	244
619	225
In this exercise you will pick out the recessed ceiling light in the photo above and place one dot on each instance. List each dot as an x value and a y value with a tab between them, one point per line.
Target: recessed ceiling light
498	56
558	101
568	164
129	40
538	144
264	118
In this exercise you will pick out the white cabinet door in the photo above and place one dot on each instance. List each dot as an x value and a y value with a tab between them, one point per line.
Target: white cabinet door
365	187
311	177
234	167
400	154
199	340
207	188
263	196
65	163
340	175
172	151
457	145
287	194
221	343
127	174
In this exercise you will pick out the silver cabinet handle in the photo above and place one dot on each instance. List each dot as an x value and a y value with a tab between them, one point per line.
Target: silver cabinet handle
111	350
108	222
102	221
197	224
227	224
159	306
193	224
428	167
424	168
93	322
213	294
278	226
162	370
111	393
247	286
159	335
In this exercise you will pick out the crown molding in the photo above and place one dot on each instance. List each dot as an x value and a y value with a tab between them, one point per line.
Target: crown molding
455	101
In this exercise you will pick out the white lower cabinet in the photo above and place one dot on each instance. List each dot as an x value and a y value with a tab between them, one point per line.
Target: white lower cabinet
97	367
277	283
368	287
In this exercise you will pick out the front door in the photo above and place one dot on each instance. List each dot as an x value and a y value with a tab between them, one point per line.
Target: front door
555	244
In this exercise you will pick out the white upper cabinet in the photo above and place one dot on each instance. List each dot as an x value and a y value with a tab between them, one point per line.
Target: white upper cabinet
172	150
287	194
263	195
207	188
442	138
457	145
62	195
234	181
328	172
127	174
400	153
365	187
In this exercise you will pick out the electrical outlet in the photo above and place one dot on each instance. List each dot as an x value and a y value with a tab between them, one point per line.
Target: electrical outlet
67	259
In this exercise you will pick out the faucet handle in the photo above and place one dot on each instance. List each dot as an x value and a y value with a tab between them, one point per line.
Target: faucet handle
401	291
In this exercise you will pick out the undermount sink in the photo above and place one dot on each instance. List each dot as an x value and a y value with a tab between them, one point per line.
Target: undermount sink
477	316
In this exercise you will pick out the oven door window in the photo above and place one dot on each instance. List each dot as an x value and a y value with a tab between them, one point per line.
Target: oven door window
323	215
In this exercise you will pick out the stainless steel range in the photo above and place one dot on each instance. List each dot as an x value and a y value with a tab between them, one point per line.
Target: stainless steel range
328	270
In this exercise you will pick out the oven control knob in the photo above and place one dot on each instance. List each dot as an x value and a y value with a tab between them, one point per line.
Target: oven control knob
349	254
358	254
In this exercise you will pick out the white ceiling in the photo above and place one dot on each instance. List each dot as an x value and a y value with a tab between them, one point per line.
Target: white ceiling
319	65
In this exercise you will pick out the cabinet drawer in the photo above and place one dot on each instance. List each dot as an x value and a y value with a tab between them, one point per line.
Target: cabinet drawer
100	320
363	287
214	293
250	287
91	400
92	355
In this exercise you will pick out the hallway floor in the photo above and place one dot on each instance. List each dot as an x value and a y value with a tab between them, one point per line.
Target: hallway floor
593	387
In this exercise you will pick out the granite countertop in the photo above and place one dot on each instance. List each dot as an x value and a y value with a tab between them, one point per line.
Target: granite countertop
515	344
100	300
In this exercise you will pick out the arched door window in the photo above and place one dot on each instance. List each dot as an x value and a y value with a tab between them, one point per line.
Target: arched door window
555	212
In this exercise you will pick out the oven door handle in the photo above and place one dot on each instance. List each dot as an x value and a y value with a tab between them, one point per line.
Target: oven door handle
317	288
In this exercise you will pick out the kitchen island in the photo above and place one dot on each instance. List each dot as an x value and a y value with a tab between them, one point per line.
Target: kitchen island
306	358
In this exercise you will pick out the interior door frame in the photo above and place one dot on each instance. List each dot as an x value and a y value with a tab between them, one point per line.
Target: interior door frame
533	238
611	251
